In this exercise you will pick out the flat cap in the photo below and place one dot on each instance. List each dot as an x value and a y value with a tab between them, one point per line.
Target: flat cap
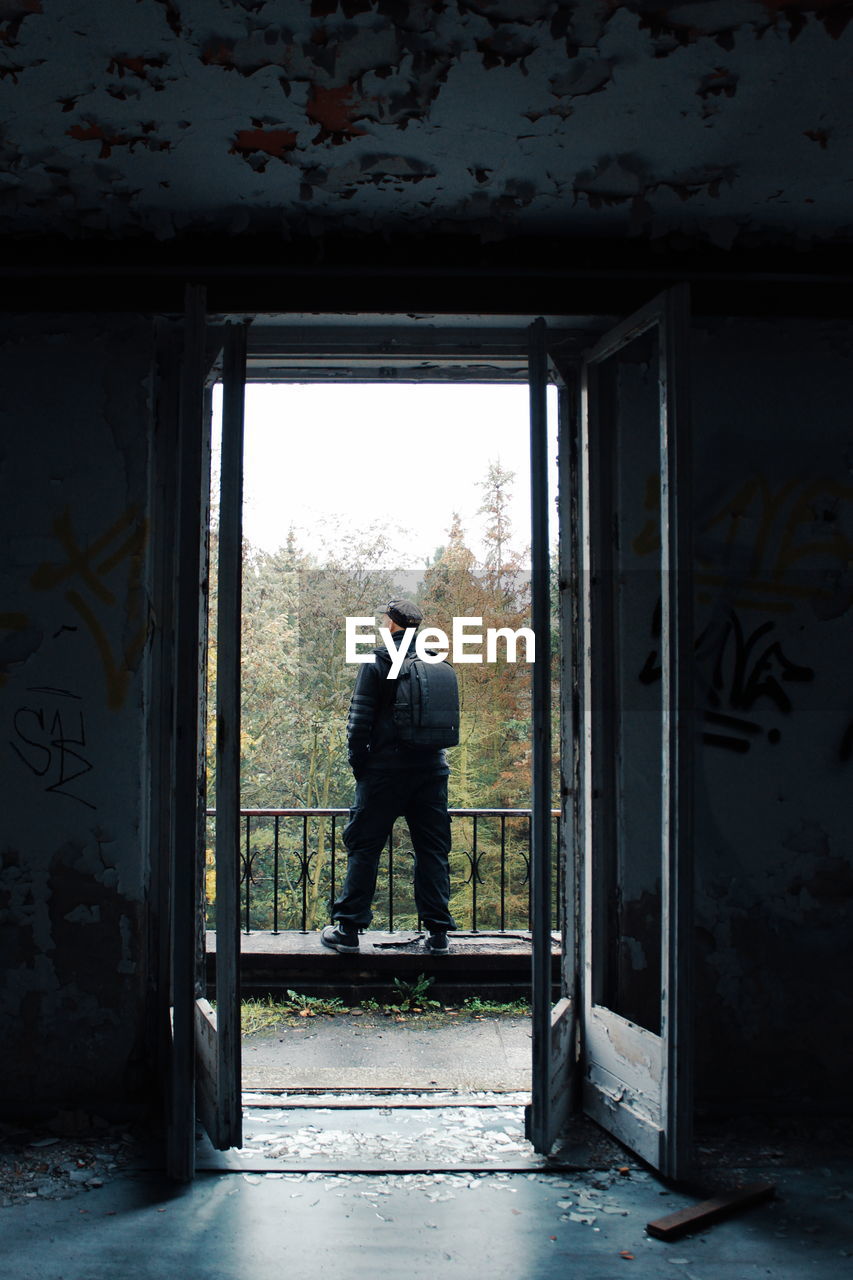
404	612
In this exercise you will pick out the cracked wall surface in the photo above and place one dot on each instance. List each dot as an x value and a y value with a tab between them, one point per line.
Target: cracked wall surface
727	121
74	623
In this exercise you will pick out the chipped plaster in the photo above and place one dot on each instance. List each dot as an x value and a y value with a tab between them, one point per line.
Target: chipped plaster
723	120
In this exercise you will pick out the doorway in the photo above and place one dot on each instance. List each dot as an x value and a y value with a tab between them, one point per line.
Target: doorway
439	513
365	350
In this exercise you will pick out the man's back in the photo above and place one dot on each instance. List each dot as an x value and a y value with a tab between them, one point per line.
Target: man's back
372	738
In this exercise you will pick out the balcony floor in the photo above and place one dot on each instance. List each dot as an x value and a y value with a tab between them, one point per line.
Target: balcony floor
490	965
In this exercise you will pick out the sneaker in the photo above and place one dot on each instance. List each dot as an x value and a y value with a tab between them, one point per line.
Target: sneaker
339	938
436	944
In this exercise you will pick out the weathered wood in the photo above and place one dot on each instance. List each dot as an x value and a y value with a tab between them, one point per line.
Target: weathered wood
616	1114
562	1045
207	1068
698	1216
630	1052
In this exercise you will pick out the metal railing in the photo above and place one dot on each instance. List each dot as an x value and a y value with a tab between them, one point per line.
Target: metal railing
293	865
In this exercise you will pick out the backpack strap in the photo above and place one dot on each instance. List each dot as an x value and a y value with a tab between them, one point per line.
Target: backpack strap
388	692
423	688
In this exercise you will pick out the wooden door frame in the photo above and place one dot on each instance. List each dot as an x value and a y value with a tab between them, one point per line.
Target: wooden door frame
558	1034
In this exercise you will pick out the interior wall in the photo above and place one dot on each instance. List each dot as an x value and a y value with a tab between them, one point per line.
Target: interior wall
74	627
773	512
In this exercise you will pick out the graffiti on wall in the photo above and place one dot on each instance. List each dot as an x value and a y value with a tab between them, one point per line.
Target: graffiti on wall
781	547
748	676
101	586
101	582
764	551
49	736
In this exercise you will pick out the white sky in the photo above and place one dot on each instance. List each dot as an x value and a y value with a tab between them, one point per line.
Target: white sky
405	456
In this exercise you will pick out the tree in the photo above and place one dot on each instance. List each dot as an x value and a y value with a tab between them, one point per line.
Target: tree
496	490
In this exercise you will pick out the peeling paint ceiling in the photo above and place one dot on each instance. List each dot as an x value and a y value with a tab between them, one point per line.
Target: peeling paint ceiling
727	120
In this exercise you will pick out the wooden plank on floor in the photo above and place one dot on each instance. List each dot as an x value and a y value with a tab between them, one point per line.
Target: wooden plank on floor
698	1216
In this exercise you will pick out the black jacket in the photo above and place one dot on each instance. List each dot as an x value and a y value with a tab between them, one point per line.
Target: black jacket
371	736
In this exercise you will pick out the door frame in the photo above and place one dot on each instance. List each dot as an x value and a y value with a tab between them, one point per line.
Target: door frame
283	353
190	1050
188	575
470	355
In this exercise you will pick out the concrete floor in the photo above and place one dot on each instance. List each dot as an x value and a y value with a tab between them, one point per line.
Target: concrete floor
371	1051
249	1216
418	1227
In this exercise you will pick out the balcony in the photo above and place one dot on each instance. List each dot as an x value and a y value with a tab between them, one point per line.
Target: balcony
293	864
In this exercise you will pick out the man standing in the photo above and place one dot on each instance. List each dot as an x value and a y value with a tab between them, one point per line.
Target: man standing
392	780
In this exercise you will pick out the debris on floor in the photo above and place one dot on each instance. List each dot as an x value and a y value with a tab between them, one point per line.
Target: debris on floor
455	1134
71	1155
441	1129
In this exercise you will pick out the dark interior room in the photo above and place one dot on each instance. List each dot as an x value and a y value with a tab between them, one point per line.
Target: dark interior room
643	205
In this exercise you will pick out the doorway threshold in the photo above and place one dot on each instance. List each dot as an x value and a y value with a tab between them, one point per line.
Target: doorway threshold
351	1132
367	1099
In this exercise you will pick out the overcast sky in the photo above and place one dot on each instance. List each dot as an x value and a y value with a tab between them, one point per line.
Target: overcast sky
406	455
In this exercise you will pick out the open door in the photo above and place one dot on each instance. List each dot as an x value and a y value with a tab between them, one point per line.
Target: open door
637	733
203	1078
554	1025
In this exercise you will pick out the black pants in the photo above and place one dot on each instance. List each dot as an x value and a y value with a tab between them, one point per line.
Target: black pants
420	798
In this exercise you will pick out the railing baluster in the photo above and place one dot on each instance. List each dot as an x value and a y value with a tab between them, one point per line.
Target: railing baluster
529	872
391	881
503	872
475	871
332	891
304	872
275	877
248	873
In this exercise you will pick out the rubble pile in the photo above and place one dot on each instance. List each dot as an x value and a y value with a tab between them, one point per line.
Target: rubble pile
67	1157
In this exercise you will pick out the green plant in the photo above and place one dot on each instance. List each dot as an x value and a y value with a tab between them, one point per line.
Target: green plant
308	1006
475	1005
261	1013
412	995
